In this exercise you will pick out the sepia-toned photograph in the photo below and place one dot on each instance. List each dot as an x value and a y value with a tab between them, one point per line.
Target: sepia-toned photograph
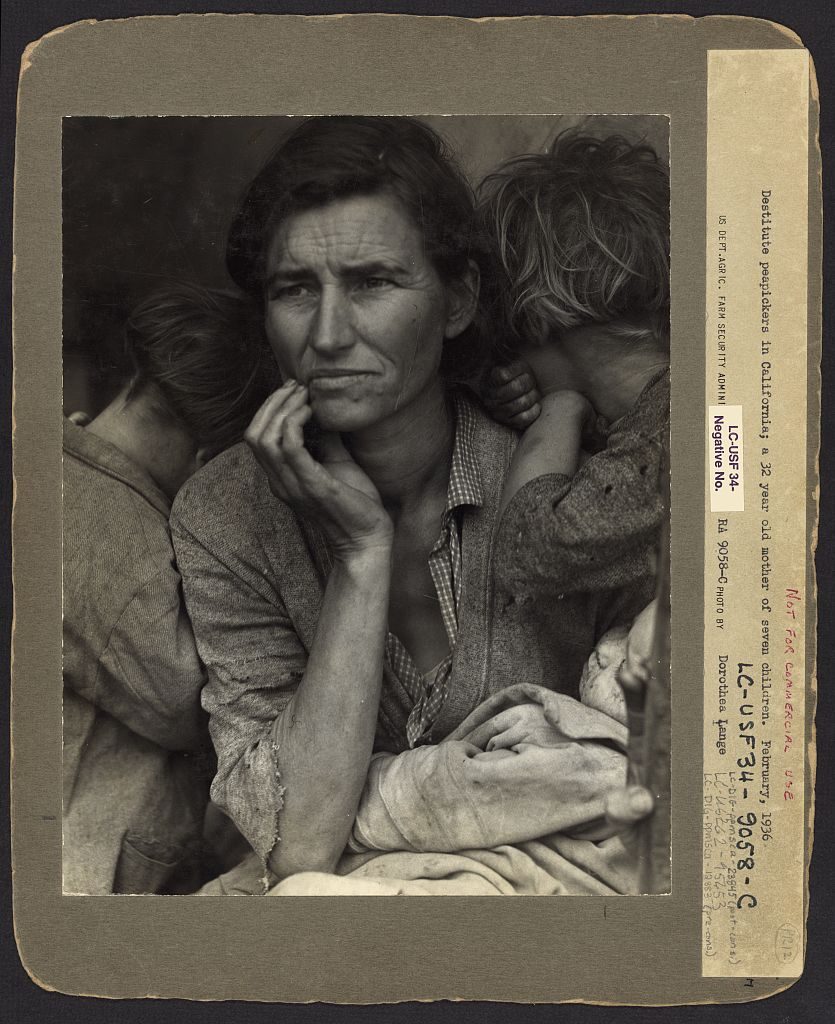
365	505
416	431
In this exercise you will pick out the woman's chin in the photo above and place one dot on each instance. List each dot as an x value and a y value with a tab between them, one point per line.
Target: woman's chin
341	415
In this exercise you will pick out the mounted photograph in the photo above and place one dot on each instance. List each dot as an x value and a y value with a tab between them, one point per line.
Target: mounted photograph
366	505
416	425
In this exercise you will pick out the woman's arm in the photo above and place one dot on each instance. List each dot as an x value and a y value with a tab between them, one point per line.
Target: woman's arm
324	738
265	695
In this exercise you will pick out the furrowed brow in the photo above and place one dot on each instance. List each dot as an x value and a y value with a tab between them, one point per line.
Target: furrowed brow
291	275
374	268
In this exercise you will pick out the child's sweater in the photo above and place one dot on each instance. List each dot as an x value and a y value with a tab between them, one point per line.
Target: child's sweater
576	555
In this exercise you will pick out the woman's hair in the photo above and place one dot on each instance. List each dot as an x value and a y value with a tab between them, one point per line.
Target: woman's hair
204	353
331	158
582	236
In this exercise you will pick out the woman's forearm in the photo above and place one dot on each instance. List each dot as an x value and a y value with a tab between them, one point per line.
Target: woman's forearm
326	734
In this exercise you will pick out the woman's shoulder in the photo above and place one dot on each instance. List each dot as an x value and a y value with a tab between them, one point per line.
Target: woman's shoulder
230	492
488	439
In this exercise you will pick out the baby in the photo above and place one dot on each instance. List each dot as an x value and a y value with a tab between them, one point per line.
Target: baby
583	293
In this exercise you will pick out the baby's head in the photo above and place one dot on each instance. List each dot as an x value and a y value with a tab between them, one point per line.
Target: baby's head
582	233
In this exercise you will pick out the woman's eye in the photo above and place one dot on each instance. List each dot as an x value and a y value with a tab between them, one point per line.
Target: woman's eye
288	291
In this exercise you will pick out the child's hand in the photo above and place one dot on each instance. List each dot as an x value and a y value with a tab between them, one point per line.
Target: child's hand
636	670
511	395
634	676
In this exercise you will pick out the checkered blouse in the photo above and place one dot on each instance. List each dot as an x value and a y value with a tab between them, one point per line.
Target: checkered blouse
465	488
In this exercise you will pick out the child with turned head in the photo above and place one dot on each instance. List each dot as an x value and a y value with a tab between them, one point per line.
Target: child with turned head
136	745
583	291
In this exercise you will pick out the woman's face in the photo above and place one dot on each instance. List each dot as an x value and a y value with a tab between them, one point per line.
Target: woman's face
356	311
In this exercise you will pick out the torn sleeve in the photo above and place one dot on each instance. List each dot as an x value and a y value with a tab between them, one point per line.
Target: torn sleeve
254	661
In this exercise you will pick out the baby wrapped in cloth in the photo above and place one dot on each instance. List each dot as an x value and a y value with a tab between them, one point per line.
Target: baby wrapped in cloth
512	802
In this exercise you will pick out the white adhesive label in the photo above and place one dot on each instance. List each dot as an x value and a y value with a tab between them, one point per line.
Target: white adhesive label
725	479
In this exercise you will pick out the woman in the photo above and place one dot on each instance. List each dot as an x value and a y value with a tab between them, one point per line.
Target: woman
354	613
134	795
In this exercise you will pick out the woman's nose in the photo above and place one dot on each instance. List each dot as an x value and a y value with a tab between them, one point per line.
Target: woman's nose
331	329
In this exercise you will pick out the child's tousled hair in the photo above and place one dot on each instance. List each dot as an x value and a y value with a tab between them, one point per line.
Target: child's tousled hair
582	236
205	354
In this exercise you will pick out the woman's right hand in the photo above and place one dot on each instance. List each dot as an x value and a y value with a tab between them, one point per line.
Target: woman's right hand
334	492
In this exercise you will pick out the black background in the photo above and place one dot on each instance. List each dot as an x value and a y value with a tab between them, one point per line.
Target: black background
812	999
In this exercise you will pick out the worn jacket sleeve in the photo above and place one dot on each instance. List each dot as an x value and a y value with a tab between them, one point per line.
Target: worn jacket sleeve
149	675
254	660
595	531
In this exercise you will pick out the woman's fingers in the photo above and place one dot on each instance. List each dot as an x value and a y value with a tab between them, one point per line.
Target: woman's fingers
283	414
508	727
272	432
269	410
267	424
511	736
298	412
334	492
484	733
313	481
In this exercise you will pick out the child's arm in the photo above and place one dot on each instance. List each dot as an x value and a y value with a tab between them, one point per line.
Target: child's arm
594	531
570	525
551	445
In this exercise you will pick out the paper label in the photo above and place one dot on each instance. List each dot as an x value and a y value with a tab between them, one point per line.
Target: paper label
755	528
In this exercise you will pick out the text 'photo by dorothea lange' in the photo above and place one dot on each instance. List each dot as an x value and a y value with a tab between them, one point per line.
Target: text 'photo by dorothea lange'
365	505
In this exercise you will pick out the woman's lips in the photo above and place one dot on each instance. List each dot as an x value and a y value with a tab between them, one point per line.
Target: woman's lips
335	380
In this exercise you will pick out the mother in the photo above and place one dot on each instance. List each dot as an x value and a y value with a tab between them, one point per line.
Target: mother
354	613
